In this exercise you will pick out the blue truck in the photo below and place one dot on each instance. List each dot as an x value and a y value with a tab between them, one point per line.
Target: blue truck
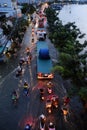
44	62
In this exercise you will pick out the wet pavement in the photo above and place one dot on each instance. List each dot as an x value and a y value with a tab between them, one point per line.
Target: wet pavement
30	107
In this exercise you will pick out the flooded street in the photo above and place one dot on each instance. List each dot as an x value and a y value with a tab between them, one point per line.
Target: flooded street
30	107
69	13
12	63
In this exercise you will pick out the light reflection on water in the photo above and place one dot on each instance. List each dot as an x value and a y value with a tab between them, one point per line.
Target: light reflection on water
75	13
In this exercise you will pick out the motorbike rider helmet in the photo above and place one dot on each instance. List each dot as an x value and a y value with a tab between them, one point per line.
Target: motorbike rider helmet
42	116
25	82
51	125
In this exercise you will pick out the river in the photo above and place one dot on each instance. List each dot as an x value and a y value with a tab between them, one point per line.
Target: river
75	13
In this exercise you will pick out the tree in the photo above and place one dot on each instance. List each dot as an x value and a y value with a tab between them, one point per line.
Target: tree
27	8
83	94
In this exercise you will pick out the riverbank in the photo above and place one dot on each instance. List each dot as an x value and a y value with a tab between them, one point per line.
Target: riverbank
66	88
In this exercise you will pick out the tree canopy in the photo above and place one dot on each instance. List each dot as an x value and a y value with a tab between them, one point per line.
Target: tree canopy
65	37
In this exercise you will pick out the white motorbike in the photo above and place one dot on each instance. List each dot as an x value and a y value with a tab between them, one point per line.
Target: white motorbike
42	122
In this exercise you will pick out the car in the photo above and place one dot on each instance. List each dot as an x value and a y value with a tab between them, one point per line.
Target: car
51	126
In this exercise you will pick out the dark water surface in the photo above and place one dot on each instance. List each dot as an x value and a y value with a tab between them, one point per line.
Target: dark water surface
75	13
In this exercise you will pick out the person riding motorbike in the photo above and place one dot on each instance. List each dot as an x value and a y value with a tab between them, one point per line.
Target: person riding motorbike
27	127
14	97
26	88
27	51
51	126
21	61
19	71
27	60
42	121
41	93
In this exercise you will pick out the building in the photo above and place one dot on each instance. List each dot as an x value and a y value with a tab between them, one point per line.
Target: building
27	1
9	7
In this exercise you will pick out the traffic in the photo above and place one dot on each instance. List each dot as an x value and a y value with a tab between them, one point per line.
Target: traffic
47	95
36	105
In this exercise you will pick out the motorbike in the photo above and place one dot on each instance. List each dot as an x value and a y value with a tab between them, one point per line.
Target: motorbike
42	122
26	91
50	87
51	126
49	105
26	88
15	97
42	94
14	100
55	101
19	73
27	127
49	110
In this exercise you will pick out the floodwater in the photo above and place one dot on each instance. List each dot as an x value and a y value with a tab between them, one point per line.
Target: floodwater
15	118
75	13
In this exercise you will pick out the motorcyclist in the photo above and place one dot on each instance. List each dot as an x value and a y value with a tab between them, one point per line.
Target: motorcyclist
14	96
26	87
49	84
22	61
25	84
42	93
19	71
30	56
42	121
27	127
49	87
32	40
27	59
51	126
27	51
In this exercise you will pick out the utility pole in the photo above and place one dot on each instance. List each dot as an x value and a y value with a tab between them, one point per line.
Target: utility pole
29	2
